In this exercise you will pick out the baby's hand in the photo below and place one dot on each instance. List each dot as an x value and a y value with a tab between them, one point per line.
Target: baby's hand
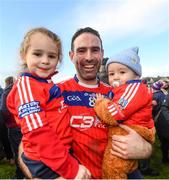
99	97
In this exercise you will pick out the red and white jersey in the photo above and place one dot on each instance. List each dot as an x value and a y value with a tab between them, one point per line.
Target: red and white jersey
89	134
132	104
36	105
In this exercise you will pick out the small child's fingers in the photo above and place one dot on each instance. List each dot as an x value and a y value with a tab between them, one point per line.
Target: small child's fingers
99	96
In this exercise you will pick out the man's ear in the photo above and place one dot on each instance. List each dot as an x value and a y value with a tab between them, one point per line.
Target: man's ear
71	54
103	52
102	55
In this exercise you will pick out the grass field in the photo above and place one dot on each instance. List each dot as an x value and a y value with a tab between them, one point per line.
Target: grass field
157	164
6	170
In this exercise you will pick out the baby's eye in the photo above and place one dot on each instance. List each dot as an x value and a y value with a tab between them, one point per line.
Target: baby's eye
111	74
122	72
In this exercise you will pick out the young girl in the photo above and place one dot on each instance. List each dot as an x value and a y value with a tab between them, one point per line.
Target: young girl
35	102
131	105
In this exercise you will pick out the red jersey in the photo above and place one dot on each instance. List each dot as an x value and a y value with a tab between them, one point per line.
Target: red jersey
132	104
89	134
35	104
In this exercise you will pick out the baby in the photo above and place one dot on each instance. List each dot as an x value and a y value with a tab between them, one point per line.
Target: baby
131	105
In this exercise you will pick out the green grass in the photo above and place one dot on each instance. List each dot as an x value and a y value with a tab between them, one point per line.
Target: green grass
7	170
156	163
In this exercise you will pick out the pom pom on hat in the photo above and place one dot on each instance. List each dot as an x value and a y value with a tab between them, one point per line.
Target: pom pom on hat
157	85
128	58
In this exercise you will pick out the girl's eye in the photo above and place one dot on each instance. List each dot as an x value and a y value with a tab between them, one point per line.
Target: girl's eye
52	56
37	54
111	74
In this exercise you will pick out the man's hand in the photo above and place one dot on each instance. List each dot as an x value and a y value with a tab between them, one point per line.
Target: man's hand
83	173
131	146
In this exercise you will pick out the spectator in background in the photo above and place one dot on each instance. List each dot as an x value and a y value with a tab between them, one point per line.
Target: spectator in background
1	122
5	148
14	132
165	87
158	97
162	127
1	91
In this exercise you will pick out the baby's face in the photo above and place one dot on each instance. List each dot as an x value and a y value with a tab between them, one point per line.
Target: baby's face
118	74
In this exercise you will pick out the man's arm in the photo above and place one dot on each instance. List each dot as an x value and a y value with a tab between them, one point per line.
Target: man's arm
131	146
83	172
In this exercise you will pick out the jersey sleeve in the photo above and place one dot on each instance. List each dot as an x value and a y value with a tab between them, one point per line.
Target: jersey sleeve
102	112
29	99
134	97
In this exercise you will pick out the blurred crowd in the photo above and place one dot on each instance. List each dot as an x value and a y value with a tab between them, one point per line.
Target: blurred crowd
10	133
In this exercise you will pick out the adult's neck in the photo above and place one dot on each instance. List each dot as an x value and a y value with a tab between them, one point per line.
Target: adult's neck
88	82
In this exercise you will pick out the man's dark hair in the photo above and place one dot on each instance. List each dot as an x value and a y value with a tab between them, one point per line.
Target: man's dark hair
85	30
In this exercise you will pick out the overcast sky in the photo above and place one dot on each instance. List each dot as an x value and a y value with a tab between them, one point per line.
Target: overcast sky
121	23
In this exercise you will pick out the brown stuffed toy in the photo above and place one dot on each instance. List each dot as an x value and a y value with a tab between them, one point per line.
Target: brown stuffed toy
114	167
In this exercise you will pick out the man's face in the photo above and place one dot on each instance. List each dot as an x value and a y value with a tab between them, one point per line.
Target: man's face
87	56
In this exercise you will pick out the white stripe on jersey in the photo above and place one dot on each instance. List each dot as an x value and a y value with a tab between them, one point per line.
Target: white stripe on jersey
135	91
126	90
31	98
21	100
129	93
27	101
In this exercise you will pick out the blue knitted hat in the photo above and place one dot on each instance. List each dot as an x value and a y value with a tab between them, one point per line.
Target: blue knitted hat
128	58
